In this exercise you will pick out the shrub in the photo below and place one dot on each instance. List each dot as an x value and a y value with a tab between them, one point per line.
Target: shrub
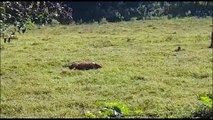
114	110
103	21
205	109
29	24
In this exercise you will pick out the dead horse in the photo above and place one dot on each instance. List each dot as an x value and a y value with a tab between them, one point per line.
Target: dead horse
83	66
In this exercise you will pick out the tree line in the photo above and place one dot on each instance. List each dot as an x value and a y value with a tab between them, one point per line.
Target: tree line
118	11
43	12
38	12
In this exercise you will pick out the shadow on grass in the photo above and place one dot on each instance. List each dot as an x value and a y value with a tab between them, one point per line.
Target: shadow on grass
203	112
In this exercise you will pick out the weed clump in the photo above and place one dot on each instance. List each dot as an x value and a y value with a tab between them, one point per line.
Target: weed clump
114	110
205	109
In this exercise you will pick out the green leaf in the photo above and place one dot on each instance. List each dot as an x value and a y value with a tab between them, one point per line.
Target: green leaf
123	107
106	112
90	115
138	111
206	100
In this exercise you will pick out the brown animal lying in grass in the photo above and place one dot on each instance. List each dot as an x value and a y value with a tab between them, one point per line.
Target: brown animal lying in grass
83	66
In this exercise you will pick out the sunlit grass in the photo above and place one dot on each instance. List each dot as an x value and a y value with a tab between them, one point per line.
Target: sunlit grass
140	68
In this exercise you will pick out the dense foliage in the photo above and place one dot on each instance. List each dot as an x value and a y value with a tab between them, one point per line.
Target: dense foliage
45	12
117	11
38	12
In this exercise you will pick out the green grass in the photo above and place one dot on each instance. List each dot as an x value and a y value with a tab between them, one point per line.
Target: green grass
140	69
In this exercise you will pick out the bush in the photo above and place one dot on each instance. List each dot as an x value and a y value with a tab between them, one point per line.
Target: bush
30	25
114	110
103	21
205	109
54	22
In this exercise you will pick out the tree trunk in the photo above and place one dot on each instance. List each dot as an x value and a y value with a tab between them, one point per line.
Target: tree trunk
211	45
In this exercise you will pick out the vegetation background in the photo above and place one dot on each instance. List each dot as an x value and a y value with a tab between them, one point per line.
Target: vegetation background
143	75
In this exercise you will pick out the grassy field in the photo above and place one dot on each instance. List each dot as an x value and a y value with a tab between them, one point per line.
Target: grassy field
140	69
